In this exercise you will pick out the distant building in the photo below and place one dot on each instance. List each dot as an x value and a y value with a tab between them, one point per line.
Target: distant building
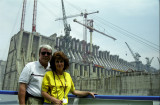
2	71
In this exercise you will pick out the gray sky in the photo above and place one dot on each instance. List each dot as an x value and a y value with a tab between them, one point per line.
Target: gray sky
133	21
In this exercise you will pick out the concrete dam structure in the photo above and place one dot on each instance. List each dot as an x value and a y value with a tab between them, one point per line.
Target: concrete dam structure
98	71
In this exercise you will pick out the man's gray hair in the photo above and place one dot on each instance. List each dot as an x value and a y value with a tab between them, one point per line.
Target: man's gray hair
45	46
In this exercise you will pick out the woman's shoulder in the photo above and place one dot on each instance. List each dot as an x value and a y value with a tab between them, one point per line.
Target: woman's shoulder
66	74
48	73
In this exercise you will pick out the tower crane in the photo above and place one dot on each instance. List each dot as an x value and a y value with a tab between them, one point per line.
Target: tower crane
71	16
148	64
85	22
67	27
136	56
85	32
34	16
23	15
91	29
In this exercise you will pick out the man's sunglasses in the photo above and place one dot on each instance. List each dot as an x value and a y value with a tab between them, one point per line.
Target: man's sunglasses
44	53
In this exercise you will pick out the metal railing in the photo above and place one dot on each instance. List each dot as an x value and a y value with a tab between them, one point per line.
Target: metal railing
99	99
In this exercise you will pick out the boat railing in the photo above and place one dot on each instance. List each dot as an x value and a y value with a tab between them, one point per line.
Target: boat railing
98	100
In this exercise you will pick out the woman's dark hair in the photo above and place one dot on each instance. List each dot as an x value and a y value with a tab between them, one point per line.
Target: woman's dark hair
59	55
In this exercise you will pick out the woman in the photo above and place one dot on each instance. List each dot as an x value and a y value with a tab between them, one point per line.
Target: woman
57	83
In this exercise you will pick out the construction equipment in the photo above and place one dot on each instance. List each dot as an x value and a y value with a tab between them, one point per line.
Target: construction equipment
85	33
34	16
91	30
71	16
23	15
85	22
136	56
67	27
148	64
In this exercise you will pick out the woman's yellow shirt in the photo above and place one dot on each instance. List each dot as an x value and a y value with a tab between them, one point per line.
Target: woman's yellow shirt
55	85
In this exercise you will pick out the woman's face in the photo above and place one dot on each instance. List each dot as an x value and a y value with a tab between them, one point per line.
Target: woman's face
59	64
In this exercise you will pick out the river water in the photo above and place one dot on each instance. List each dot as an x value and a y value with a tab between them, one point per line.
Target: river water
8	99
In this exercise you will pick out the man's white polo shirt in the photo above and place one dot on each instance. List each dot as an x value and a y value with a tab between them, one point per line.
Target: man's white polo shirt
32	75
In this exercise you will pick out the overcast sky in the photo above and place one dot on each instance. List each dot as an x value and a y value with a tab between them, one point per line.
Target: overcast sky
133	21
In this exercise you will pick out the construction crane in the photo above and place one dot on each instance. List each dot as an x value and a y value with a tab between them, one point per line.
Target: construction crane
23	15
71	16
67	27
34	16
136	56
85	33
85	22
91	29
148	64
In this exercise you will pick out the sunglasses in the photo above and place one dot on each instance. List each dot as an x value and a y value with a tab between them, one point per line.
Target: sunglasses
44	53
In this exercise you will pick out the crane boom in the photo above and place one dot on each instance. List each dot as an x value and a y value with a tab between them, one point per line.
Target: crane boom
85	22
67	28
134	56
91	28
23	15
149	61
81	14
34	16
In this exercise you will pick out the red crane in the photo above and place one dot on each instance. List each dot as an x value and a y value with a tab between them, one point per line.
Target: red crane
34	16
23	15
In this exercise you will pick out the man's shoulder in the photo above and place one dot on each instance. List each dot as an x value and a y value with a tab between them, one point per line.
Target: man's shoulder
32	63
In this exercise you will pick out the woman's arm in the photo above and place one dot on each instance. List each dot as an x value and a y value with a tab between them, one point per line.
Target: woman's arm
83	93
51	99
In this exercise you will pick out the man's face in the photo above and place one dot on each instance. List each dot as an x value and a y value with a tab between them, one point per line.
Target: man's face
45	55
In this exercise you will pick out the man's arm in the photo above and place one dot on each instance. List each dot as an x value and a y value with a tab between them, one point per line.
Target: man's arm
22	93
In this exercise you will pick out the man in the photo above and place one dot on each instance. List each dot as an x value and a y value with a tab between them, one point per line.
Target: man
30	80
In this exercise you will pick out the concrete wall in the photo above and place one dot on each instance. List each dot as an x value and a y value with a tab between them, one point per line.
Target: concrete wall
124	84
24	48
2	71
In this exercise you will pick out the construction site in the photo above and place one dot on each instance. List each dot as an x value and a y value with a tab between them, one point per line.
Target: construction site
90	68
